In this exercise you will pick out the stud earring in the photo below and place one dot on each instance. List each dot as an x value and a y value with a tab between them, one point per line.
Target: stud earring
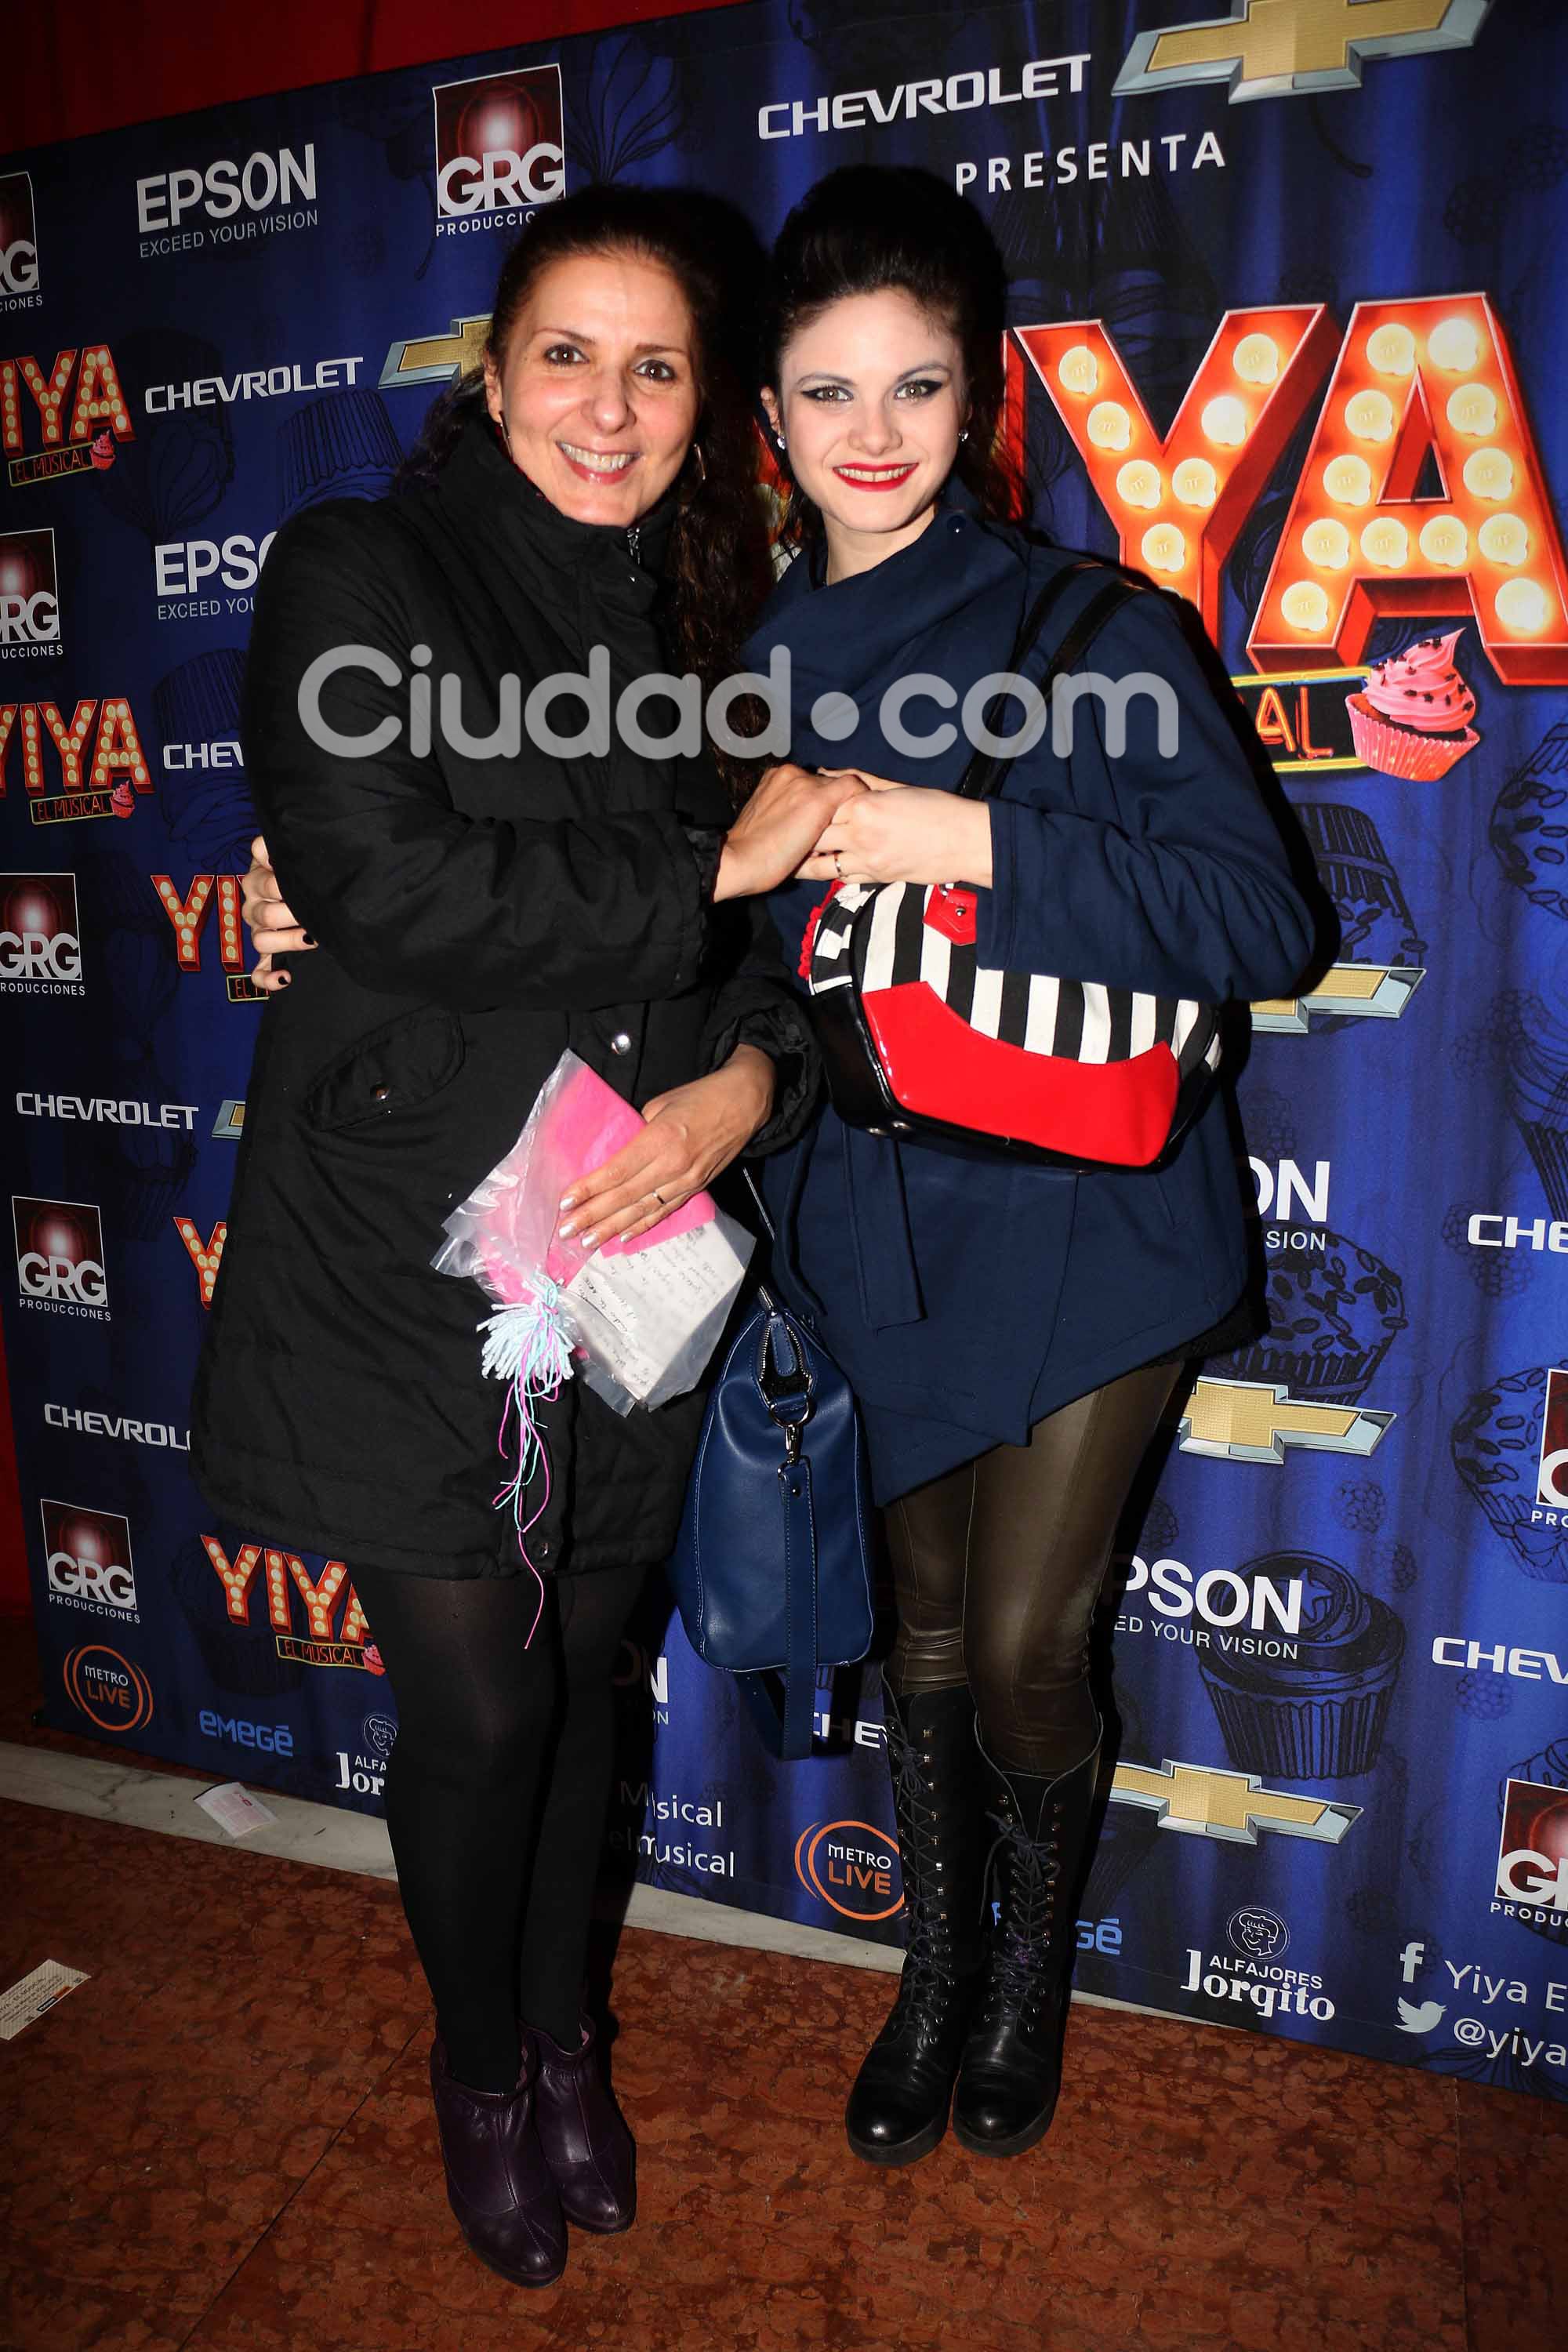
964	435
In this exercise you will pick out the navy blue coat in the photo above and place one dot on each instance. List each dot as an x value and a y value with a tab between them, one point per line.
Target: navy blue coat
966	1300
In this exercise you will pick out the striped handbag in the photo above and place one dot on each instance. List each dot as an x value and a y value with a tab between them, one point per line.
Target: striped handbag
919	1038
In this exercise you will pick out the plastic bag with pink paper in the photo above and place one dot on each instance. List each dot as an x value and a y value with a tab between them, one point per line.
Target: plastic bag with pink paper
637	1320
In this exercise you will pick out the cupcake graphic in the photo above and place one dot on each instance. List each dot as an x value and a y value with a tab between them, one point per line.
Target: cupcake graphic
1319	1715
1530	824
1376	926
1412	718
339	446
1331	1320
1538	1068
1495	1445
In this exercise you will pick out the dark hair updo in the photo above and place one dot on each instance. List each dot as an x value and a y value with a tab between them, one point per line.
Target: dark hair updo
717	571
873	229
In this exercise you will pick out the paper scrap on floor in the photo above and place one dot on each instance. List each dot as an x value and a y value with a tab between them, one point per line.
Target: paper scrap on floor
235	1808
22	2003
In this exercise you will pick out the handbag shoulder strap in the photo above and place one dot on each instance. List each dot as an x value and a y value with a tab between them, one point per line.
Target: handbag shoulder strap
981	779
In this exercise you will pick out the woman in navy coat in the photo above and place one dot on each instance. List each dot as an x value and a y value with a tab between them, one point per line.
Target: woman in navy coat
1013	1331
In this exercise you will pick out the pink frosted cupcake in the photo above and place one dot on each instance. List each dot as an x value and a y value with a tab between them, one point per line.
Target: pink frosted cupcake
1412	718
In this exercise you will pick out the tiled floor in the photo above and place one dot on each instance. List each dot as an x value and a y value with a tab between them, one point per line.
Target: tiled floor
223	2142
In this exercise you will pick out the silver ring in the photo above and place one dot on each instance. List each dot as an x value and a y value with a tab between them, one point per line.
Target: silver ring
838	864
658	1196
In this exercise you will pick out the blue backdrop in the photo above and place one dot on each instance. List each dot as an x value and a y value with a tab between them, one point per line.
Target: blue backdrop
1341	1808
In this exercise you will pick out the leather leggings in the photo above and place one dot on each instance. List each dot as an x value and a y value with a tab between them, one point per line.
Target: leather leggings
999	1564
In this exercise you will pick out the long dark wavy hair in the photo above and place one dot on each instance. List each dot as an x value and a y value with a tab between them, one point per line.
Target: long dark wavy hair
717	573
872	228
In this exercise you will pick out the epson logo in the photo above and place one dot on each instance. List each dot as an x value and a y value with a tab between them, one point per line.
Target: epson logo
29	594
87	1557
1290	1205
1220	1597
59	1256
635	1666
225	188
18	239
180	565
40	937
272	1738
499	149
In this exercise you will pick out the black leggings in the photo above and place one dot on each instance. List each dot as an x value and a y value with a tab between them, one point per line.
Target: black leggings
998	1565
497	1793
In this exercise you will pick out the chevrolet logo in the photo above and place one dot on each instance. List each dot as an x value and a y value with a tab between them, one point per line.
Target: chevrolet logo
229	1124
1283	49
1253	1420
1203	1801
438	358
1375	992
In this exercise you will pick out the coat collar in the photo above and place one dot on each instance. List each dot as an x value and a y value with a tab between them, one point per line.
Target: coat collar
480	480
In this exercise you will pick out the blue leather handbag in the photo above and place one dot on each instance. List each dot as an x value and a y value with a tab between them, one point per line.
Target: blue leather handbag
772	1568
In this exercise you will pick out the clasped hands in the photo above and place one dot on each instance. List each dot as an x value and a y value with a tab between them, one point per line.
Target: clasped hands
888	832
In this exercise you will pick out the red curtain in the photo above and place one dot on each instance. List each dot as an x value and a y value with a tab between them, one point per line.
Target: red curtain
94	66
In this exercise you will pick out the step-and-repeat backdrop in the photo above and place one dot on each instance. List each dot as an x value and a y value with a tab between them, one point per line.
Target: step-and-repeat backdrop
1287	329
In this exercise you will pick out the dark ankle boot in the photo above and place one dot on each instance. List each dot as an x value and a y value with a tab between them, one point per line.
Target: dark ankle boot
897	2108
498	2182
1011	2069
584	2135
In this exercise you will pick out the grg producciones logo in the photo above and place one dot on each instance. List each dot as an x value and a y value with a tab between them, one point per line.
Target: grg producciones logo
1552	1468
40	936
18	243
29	596
88	1561
1531	1882
499	151
59	1258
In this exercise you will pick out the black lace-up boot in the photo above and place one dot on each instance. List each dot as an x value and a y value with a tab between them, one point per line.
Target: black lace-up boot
1011	2068
897	2108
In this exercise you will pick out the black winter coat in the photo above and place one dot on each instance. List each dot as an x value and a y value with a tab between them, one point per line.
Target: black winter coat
475	917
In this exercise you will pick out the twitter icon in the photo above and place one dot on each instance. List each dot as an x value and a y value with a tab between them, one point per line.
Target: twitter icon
1413	2019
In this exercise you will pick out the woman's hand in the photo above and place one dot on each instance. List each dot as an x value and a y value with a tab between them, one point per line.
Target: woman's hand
692	1133
777	827
272	927
902	832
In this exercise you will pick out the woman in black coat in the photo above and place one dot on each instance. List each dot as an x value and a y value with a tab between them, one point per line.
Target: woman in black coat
476	915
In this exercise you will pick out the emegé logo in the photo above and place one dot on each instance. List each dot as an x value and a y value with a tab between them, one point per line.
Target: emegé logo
87	1557
499	148
40	936
29	596
59	1258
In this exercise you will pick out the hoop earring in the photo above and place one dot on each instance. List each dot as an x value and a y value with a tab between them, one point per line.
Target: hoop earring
964	435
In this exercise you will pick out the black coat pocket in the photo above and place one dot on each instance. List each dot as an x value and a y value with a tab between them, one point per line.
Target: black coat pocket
392	1069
